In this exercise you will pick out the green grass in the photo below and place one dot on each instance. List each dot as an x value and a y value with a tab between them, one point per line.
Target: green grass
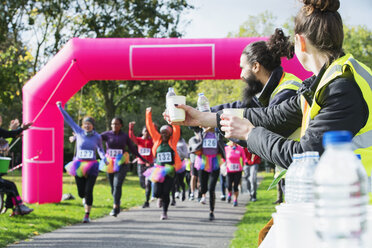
48	217
257	215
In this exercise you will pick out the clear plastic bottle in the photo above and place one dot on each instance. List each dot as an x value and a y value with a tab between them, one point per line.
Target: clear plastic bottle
203	103
169	93
340	193
290	178
304	191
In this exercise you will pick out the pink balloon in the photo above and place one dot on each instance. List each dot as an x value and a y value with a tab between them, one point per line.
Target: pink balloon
82	60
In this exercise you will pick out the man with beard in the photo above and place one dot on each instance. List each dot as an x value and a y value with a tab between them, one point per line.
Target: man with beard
266	82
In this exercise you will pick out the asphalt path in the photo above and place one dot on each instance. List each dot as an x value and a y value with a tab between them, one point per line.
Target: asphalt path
188	226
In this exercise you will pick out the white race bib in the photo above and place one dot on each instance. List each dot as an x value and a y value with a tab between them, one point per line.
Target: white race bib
86	154
144	151
234	167
113	152
164	157
210	143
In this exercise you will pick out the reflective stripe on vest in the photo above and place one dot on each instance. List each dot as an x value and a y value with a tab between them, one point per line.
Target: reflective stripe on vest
287	82
362	141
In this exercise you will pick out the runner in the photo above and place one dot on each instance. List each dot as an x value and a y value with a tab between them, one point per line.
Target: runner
235	159
166	162
118	159
208	166
145	145
179	181
84	166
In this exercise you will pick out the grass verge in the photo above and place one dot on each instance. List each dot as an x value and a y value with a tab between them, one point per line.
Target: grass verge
48	217
257	215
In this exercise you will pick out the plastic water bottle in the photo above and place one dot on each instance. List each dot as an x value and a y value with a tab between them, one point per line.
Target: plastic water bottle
290	178
340	193
203	103
169	93
304	190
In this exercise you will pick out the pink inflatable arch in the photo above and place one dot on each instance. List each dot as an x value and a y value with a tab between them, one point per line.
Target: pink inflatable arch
82	60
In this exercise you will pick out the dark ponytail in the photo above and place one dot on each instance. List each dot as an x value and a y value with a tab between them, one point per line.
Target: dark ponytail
268	53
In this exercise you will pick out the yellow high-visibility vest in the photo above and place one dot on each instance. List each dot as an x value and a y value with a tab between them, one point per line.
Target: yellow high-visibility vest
362	141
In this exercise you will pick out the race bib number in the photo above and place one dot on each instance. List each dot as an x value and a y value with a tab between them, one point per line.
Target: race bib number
164	157
209	143
144	151
86	154
114	152
234	167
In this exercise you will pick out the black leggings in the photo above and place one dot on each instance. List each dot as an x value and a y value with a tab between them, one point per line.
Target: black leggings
233	178
162	190
85	187
116	182
11	193
208	182
180	181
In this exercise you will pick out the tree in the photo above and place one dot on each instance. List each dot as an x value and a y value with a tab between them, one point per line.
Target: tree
358	42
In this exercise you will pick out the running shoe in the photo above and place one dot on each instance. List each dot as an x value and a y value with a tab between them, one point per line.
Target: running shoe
115	211
253	199
163	216
177	195
223	198
86	219
183	196
235	203
229	198
152	199
22	210
191	197
211	216
173	203
146	205
203	200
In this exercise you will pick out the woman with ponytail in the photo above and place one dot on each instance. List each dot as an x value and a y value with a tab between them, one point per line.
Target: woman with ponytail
337	97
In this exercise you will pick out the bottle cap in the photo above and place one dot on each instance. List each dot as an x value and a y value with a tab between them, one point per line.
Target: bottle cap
297	156
312	154
335	137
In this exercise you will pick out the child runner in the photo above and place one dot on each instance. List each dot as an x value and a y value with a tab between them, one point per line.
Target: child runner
166	159
116	142
145	145
235	159
208	166
84	166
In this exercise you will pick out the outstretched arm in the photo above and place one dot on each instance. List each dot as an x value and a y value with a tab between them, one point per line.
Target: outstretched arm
150	125
131	133
68	119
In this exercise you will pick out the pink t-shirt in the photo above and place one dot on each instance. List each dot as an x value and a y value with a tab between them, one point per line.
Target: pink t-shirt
235	158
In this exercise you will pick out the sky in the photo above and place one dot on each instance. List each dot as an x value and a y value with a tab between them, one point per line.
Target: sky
216	18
